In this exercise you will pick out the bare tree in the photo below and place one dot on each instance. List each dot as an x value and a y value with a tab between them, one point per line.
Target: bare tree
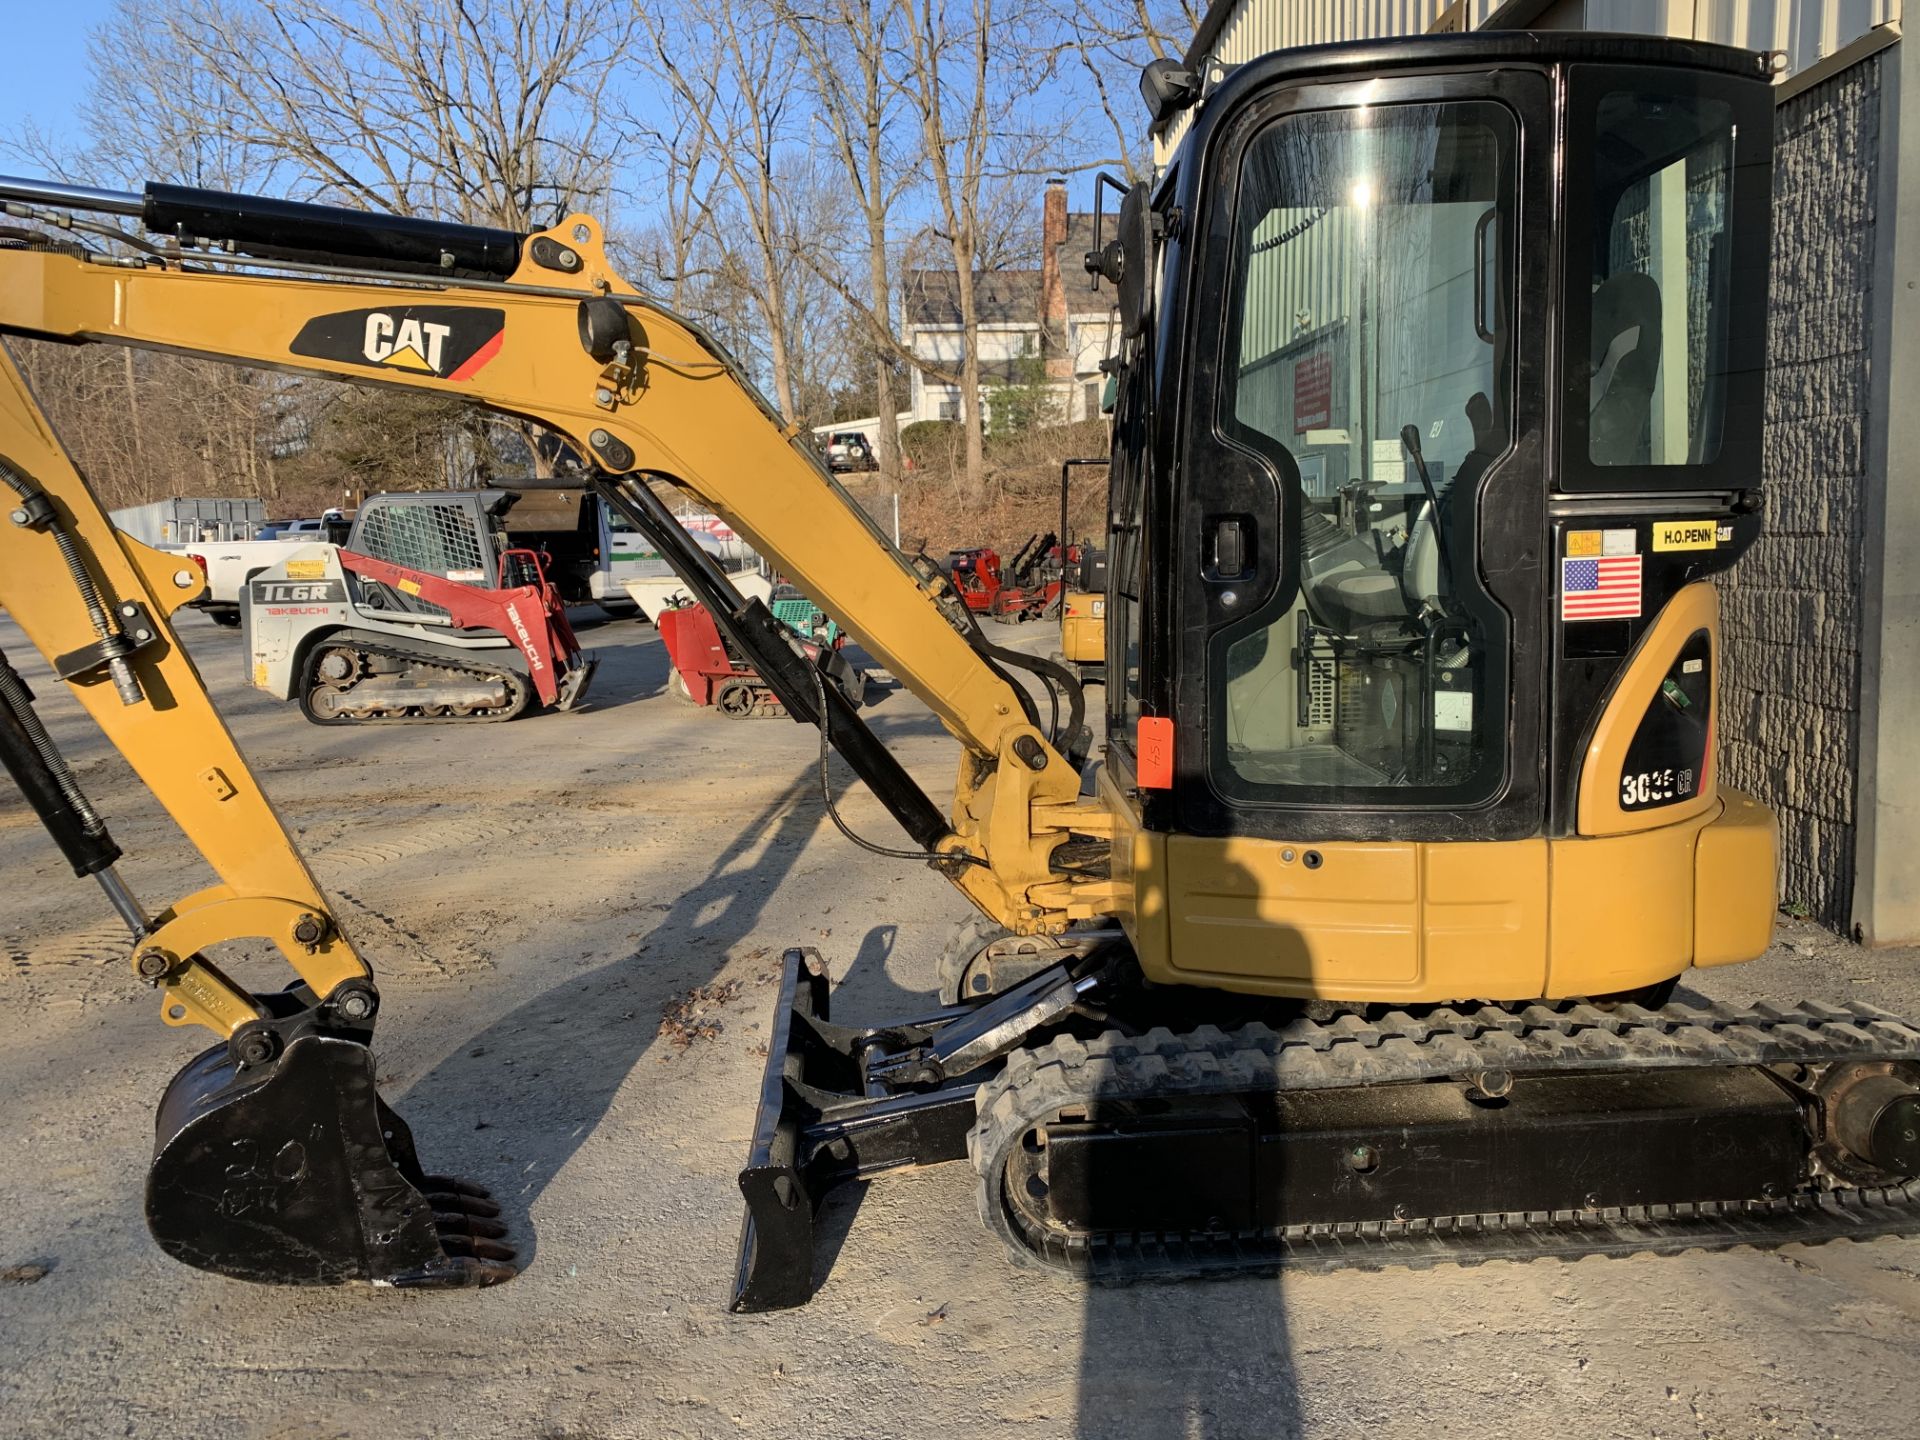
845	47
1104	43
678	174
730	69
489	111
492	112
962	67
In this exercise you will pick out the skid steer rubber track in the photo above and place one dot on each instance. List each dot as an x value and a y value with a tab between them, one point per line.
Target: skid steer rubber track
1068	1075
519	693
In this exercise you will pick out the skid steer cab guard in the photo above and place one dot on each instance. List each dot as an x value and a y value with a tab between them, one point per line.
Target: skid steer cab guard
427	613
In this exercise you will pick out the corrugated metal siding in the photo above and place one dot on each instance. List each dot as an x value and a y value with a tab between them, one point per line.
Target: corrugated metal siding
1808	30
1259	27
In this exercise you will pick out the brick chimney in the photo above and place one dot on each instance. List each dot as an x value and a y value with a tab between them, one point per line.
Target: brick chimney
1053	290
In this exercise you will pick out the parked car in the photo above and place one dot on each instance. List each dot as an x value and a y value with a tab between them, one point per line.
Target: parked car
331	527
849	450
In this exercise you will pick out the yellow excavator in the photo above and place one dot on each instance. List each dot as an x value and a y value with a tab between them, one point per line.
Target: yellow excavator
1439	408
1083	592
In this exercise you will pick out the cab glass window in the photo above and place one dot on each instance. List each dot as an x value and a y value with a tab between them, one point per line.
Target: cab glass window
1659	300
1368	346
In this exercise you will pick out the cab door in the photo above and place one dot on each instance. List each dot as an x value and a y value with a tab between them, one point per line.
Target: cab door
1358	528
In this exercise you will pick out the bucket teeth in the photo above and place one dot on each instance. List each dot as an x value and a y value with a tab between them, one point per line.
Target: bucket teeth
471	1233
462	1224
468	1247
464	1272
446	1203
453	1185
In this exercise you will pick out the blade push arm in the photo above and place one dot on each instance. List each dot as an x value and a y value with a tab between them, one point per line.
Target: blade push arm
568	343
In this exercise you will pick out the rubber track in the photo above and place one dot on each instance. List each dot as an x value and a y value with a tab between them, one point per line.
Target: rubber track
1037	1083
516	684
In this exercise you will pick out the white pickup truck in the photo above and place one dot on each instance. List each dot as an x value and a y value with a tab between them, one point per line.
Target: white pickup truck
230	564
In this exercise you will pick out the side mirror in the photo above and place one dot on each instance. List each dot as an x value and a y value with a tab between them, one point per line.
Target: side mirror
1127	260
1135	244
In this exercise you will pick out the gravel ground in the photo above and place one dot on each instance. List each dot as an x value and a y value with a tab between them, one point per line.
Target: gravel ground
533	897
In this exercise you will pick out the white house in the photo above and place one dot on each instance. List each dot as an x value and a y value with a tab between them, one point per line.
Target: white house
1052	314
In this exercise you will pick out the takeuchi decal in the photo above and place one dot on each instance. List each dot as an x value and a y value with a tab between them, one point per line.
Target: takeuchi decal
450	342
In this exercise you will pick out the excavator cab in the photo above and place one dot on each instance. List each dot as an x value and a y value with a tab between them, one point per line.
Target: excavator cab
1442	402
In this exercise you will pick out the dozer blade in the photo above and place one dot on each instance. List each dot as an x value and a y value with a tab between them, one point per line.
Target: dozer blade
576	682
295	1172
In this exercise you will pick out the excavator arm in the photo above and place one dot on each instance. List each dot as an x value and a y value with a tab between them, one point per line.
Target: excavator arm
275	1158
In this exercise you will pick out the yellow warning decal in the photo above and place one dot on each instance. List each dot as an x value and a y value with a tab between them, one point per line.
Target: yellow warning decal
1582	543
306	569
1685	534
412	587
260	674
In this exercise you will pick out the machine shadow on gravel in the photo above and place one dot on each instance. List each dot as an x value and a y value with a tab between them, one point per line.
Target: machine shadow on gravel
537	1082
1188	1360
533	1086
1208	1358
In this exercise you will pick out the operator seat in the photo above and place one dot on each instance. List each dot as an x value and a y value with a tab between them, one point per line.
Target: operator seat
1625	355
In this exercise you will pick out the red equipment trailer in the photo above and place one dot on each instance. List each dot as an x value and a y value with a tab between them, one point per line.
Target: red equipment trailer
706	671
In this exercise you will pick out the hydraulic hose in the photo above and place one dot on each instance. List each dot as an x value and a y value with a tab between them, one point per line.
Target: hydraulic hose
37	512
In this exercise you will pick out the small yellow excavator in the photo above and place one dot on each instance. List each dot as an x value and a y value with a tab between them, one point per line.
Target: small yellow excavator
1439	409
1083	593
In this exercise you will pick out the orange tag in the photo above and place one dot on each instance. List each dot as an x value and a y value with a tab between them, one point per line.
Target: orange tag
1154	746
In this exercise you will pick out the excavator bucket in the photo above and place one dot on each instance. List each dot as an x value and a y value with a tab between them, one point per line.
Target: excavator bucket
295	1172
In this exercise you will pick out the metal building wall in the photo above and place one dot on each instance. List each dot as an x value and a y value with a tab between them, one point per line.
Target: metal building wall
1256	27
1259	26
1808	32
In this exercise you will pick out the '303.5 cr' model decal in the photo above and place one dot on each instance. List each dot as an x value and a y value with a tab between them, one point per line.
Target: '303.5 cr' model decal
450	342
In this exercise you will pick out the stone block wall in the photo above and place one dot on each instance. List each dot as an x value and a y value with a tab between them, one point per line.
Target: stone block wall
1790	675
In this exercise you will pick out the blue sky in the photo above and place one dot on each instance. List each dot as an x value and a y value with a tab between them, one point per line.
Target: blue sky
46	63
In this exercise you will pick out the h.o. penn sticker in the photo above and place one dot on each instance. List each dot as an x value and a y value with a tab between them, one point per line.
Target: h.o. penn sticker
1686	534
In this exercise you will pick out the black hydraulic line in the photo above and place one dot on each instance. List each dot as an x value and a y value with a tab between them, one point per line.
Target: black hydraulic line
42	773
790	675
833	811
37	512
1052	674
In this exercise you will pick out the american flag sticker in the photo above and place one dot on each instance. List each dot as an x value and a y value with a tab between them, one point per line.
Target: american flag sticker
1606	588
